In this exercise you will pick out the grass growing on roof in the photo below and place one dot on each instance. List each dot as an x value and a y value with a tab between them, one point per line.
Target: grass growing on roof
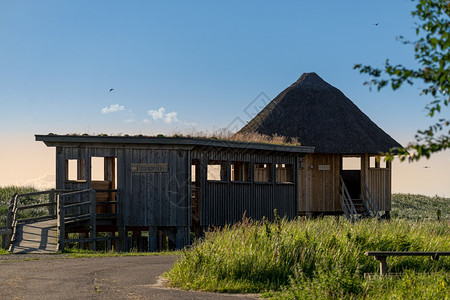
322	258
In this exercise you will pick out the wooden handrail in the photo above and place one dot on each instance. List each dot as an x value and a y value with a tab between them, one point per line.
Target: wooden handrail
36	205
346	200
368	200
90	215
29	220
66	211
12	215
73	205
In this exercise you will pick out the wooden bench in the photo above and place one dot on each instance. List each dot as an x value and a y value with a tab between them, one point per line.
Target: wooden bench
382	255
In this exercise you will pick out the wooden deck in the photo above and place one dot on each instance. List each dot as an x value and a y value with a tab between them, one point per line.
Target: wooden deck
37	237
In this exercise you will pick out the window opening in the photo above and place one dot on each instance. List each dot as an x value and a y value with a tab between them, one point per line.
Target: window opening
263	172
72	169
240	171
98	168
351	163
285	173
217	171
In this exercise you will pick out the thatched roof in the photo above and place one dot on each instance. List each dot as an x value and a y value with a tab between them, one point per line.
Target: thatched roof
321	116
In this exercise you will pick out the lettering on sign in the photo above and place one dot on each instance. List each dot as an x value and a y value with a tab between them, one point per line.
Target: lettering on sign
149	168
324	167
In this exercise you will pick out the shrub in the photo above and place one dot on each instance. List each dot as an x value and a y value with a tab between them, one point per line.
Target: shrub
322	258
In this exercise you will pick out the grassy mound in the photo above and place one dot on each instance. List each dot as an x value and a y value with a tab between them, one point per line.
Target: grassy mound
313	259
419	207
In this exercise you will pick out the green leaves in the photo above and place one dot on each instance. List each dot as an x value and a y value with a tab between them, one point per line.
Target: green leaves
433	73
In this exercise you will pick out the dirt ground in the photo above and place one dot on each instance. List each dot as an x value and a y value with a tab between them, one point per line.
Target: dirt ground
59	277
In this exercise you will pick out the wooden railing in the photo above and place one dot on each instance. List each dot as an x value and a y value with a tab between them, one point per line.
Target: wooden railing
75	207
368	201
65	206
347	203
13	216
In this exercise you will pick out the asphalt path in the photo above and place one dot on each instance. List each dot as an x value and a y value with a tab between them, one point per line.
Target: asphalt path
124	277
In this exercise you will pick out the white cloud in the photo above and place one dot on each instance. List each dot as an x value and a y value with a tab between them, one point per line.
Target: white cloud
157	114
168	118
171	118
113	108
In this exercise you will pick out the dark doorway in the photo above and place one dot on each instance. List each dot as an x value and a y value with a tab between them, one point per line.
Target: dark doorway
351	174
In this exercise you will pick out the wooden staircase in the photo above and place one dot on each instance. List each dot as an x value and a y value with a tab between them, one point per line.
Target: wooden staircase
359	206
355	209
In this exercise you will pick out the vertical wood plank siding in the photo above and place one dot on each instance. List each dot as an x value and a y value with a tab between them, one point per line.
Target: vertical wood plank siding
156	199
379	183
145	199
320	188
225	202
163	199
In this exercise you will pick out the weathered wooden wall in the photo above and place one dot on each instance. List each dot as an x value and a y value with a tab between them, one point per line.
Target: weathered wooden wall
225	201
154	199
379	181
144	198
318	184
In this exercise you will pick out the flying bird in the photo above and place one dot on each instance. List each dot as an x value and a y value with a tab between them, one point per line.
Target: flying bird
110	90
427	167
376	24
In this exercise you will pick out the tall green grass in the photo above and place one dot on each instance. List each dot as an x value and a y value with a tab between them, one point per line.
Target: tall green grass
313	259
6	192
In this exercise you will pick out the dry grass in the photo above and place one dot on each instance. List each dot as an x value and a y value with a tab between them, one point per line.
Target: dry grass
262	138
219	134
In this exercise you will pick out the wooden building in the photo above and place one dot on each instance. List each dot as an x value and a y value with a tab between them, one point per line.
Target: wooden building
345	173
171	187
174	186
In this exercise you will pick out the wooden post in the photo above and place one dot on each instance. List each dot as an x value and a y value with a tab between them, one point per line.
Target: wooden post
109	241
83	235
61	225
81	169
88	166
135	237
188	188
9	222
123	237
180	238
309	182
51	208
383	264
152	232
93	233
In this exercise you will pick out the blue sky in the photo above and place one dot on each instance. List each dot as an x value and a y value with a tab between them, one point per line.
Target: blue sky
202	62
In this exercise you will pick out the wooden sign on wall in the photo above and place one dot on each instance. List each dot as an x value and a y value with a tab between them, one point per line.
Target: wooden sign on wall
149	168
324	167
